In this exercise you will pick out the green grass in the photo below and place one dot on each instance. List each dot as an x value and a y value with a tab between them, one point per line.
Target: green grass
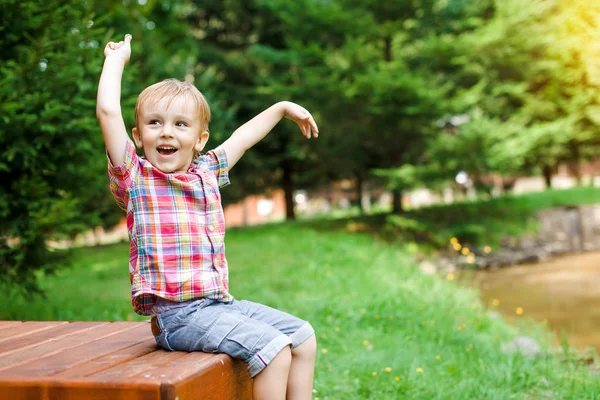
473	223
371	307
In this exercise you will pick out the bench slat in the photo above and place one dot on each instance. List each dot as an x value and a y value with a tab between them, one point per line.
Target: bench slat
88	333
12	334
5	324
117	360
110	360
139	366
74	356
48	388
41	336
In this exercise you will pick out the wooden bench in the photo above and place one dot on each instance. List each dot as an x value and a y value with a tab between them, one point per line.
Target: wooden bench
109	360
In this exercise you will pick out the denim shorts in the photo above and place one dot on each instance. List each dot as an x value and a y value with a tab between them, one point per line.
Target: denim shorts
245	330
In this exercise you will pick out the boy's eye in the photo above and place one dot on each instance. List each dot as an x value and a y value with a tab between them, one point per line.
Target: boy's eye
180	123
154	122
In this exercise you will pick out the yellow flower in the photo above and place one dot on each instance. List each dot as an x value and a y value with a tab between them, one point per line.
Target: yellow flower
487	249
365	342
495	302
374	373
470	258
438	358
324	351
388	369
377	316
363	311
465	251
456	246
519	310
420	370
337	328
324	336
450	276
396	378
454	240
461	327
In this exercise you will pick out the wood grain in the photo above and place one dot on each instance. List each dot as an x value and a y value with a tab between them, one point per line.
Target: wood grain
109	360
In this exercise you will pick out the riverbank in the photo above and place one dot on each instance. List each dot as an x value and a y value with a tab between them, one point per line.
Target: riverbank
475	224
385	330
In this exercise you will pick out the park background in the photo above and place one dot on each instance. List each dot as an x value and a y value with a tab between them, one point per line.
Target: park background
458	99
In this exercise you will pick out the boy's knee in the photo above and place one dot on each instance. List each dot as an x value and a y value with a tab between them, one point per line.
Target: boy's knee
308	348
283	359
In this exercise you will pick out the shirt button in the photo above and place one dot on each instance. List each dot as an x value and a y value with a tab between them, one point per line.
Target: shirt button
211	228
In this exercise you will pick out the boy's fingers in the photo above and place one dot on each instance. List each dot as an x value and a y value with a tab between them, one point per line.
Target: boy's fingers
127	38
314	126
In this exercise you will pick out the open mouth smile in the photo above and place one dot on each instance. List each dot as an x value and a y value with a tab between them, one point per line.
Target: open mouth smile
166	150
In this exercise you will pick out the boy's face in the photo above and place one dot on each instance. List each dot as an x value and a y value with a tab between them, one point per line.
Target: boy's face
170	134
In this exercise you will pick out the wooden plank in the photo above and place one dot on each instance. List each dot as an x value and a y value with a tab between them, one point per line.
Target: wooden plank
119	360
4	324
42	334
110	360
15	331
48	388
217	377
80	354
138	366
87	334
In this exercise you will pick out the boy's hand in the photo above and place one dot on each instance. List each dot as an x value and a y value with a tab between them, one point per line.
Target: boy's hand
302	118
121	49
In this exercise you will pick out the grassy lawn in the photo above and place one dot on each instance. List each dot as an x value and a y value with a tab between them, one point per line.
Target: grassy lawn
385	330
473	223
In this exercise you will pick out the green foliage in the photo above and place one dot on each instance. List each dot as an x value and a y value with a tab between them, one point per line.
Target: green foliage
47	141
371	308
51	150
525	80
486	222
379	78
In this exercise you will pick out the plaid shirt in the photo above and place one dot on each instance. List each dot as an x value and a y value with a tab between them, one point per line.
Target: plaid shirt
176	229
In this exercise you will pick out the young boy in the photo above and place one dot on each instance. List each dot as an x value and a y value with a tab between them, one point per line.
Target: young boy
177	262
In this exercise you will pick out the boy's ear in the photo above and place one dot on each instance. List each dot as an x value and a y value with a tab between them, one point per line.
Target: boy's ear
201	141
137	138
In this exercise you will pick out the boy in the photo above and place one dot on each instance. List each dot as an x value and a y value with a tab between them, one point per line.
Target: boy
177	265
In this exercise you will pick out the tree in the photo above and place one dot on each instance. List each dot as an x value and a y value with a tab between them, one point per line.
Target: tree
49	150
54	181
523	81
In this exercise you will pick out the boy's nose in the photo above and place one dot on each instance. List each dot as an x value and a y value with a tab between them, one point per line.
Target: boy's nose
167	130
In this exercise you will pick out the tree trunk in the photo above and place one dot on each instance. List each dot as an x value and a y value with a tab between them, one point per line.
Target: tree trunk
574	163
359	193
397	201
288	190
387	48
547	171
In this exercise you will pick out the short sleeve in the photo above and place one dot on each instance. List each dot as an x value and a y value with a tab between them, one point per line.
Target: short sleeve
216	161
123	176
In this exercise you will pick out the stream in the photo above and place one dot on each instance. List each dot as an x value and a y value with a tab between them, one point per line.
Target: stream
564	291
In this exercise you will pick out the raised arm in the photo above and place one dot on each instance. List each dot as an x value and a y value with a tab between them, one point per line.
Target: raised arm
108	106
258	127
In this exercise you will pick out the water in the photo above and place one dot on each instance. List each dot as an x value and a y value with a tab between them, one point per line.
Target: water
564	291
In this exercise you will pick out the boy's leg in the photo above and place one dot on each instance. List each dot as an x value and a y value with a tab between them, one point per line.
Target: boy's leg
271	382
304	345
225	328
302	370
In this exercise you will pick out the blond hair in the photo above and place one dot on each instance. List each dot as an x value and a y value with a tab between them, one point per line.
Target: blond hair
171	89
